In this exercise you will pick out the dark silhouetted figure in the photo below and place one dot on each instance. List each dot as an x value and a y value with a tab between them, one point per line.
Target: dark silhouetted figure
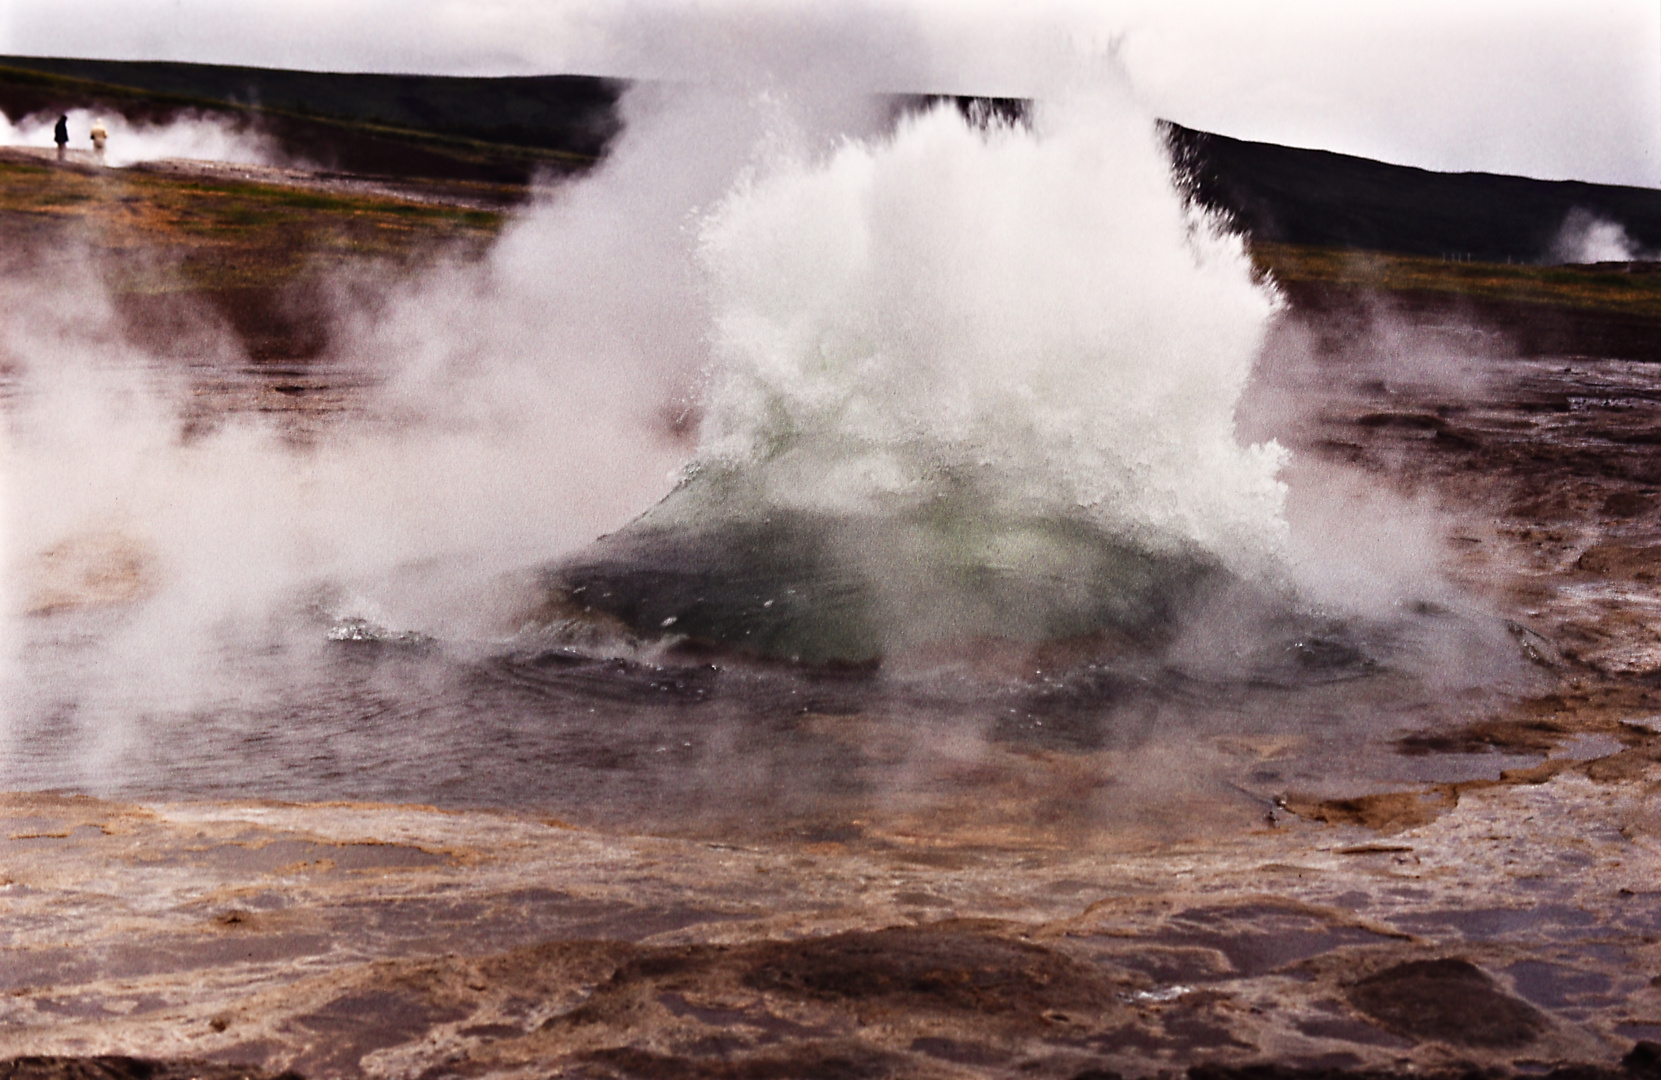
60	135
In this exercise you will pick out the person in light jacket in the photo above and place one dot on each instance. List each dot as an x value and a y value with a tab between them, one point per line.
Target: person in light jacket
98	137
60	135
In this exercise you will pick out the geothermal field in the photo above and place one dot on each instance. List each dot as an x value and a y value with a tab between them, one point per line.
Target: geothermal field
742	586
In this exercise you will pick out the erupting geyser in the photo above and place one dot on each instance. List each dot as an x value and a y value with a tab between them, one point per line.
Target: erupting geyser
970	380
965	386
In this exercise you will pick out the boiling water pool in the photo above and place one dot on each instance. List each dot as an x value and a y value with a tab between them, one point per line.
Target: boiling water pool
597	711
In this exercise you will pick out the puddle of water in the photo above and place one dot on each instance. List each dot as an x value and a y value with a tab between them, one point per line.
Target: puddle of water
1256	939
80	1008
23	837
363	1021
1587	747
1459	768
1485	924
274	855
93	963
1640	911
1554	986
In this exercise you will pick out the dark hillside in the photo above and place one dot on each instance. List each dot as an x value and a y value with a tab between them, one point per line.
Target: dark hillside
571	113
1281	194
494	130
505	130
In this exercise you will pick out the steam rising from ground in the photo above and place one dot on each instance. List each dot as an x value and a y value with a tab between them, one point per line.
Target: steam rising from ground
204	138
524	410
862	320
1587	238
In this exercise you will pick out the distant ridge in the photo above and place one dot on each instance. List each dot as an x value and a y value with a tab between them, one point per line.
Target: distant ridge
1322	199
499	129
509	129
548	112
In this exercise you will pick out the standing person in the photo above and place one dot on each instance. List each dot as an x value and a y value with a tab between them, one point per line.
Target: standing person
60	135
98	137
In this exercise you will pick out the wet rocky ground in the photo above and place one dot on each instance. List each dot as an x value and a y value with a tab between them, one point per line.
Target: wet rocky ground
1503	922
1509	924
1510	927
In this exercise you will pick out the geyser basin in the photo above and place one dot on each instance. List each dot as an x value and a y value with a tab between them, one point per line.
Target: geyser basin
967	424
975	379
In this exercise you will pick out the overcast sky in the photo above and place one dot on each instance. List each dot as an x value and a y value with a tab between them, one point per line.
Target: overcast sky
1563	90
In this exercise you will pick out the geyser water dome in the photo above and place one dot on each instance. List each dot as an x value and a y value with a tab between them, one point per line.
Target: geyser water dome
971	380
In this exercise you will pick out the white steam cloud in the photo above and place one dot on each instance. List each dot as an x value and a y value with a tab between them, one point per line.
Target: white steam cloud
524	407
1587	238
1032	307
200	137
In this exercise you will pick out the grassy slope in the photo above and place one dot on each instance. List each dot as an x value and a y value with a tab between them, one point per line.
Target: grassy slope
171	234
1628	289
257	255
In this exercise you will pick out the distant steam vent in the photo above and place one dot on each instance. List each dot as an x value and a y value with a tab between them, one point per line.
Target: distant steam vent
1588	238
